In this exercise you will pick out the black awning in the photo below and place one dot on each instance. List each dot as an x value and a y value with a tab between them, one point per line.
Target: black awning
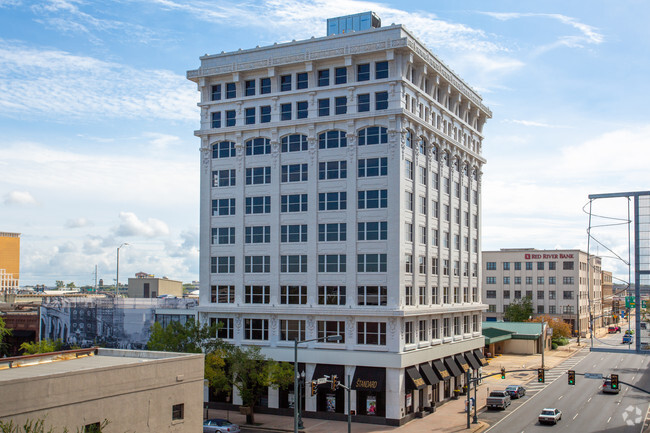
428	374
462	362
329	370
451	365
440	369
473	362
369	379
479	355
416	381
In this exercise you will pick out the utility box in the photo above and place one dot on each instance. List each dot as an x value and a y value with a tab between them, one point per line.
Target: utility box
350	23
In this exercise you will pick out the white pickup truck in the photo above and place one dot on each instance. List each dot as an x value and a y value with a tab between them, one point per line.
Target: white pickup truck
498	399
550	416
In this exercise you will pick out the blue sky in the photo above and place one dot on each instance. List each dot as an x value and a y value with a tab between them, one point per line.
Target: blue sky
97	118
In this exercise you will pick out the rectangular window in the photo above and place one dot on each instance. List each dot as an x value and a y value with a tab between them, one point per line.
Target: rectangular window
222	265
231	90
567	280
551	280
216	119
293	295
293	263
223	235
423	236
222	294
372	231
258	234
323	77
293	203
332	262
223	206
293	233
491	294
257	294
265	85
292	330
372	295
331	329
540	294
408	169
372	167
332	200
249	86
434	295
340	105
249	116
371	333
435	332
529	280
371	262
285	111
381	70
517	266
529	266
552	309
409	337
517	294
332	170
302	80
258	175
540	280
363	102
381	101
256	329
373	199
422	175
446	327
231	119
567	266
223	178
506	266
257	264
331	295
294	143
540	309
551	266
491	266
258	205
434	265
178	412
445	295
408	232
227	330
215	94
285	83
517	280
435	209
422	265
340	75
363	72
294	173
265	114
506	280
490	280
302	109
323	107
334	232
540	266
409	200
506	294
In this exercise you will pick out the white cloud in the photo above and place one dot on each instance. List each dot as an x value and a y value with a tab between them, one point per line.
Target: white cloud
19	198
131	225
533	123
58	84
76	223
159	141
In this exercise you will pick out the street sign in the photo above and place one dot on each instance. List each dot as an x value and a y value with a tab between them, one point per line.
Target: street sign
321	380
630	301
593	376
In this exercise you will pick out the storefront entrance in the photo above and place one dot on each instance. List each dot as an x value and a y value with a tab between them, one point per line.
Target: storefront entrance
370	385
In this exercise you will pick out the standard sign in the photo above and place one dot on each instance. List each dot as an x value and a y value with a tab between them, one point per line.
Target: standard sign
593	376
321	380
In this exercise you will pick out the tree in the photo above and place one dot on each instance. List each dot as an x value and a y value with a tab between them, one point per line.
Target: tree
71	285
188	337
4	332
561	329
59	284
519	311
43	346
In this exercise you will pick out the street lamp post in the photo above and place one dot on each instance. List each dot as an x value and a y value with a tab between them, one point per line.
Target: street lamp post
296	376
117	276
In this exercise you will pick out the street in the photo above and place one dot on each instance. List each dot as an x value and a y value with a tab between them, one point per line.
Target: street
584	407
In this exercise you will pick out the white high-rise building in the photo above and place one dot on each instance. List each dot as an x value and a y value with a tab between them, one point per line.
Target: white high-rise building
341	195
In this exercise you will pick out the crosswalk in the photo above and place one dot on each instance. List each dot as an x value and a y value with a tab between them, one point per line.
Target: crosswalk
554	373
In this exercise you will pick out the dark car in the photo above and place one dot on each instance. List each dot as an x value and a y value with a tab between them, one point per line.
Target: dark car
217	425
516	391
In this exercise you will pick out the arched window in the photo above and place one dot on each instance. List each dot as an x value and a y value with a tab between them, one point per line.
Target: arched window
332	140
373	135
294	143
258	146
223	149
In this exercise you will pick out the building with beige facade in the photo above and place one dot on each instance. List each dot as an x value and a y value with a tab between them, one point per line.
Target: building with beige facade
341	196
136	391
557	282
9	262
148	286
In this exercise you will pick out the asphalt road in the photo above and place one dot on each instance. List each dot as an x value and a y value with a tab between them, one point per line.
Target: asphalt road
584	407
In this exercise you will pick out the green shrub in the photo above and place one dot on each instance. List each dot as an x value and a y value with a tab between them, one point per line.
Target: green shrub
553	346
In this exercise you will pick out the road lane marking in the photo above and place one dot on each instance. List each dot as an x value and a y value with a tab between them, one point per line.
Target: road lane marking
575	416
609	419
560	397
589	399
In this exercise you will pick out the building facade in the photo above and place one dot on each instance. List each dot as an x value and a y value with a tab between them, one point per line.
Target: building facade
556	281
9	262
148	286
341	195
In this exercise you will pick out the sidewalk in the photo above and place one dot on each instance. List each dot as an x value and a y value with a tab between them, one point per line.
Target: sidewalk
448	418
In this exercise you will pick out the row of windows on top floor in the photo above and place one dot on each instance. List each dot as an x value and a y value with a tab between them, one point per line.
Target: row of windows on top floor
298	110
529	280
368	333
297	81
566	265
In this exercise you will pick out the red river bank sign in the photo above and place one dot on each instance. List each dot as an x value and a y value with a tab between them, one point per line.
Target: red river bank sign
548	256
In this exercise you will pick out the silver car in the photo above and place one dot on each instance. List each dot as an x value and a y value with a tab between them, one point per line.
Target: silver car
217	425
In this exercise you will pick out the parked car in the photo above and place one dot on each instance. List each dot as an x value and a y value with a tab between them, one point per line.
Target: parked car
613	329
516	391
498	399
550	416
217	425
607	387
627	339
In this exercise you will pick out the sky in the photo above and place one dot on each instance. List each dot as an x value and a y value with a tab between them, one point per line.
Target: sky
97	119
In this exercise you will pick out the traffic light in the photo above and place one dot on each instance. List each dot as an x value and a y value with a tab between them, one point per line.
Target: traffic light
314	385
503	373
335	382
540	375
572	377
614	378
